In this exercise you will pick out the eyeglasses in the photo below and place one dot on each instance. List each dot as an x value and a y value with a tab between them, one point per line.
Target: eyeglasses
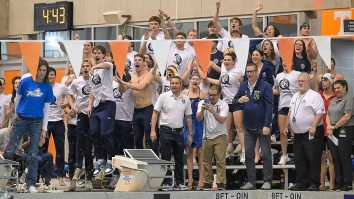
213	95
251	71
324	79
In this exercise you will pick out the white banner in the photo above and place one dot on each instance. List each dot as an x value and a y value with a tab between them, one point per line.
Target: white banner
241	47
324	49
161	50
75	53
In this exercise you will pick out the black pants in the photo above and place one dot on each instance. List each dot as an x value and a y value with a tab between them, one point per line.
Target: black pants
123	137
307	156
72	149
172	143
141	126
84	144
57	129
341	156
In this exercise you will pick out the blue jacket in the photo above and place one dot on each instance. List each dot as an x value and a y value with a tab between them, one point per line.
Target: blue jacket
257	112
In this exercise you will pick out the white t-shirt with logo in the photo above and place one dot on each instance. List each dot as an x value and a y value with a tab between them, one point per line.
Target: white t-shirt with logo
130	61
173	109
165	85
180	58
80	88
287	83
4	100
101	85
303	110
149	48
56	113
212	127
124	103
227	43
229	83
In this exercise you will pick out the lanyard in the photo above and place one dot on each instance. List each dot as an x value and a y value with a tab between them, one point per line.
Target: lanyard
296	109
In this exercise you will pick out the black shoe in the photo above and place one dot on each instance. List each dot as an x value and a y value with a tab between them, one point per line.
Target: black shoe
221	186
207	187
298	187
313	188
346	188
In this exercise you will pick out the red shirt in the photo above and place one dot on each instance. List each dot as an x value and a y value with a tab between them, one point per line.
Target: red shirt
326	103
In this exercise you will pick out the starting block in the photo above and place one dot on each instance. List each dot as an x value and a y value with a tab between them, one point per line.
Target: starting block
141	168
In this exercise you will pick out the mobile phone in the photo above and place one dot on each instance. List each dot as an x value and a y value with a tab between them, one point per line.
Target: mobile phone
206	101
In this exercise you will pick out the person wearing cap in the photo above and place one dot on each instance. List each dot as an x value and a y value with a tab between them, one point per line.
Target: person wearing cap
340	122
130	56
327	94
334	76
305	118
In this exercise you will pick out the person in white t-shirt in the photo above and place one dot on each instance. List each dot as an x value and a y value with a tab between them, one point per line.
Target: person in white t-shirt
56	126
130	56
102	110
80	90
153	34
179	55
230	80
215	112
4	109
70	75
235	24
285	86
305	117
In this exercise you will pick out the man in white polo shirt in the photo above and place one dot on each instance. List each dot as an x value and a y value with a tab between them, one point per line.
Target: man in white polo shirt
214	113
172	107
305	117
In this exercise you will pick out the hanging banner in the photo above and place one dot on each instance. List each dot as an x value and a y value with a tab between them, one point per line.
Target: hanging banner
31	53
286	48
202	50
75	50
241	47
120	51
324	49
161	50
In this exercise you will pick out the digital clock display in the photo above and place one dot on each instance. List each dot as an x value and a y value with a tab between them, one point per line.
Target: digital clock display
53	17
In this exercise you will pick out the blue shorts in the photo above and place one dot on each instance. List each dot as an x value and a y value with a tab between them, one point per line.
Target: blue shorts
102	118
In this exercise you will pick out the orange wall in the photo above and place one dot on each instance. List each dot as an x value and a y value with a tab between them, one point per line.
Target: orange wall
8	76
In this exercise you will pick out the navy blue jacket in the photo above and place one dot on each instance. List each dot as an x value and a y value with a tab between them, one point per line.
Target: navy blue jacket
257	112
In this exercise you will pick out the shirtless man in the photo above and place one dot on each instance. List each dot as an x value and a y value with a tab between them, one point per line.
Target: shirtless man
142	84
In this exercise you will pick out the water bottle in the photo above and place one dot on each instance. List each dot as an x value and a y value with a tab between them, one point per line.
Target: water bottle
282	181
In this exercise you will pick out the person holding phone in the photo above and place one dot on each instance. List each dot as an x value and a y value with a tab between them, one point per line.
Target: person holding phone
214	111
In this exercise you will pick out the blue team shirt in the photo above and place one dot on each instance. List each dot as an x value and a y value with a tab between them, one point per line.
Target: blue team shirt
34	95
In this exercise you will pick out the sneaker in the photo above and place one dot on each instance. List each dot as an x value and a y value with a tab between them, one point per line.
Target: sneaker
248	186
298	187
166	187
207	187
32	189
283	160
238	149
78	173
266	186
182	187
88	185
273	138
229	149
109	169
243	157
99	165
72	186
221	186
313	188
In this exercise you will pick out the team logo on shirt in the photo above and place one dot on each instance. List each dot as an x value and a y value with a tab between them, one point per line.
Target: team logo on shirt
128	63
264	75
116	93
230	44
284	84
216	61
166	88
150	47
53	103
302	66
86	89
256	95
183	100
96	79
225	79
36	93
178	59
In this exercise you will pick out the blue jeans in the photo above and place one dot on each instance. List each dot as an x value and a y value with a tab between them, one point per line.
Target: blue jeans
34	127
45	167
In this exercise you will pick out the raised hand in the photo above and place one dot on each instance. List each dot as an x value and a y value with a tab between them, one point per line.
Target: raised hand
260	7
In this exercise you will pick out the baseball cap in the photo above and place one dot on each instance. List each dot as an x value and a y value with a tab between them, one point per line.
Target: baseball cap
304	24
327	76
